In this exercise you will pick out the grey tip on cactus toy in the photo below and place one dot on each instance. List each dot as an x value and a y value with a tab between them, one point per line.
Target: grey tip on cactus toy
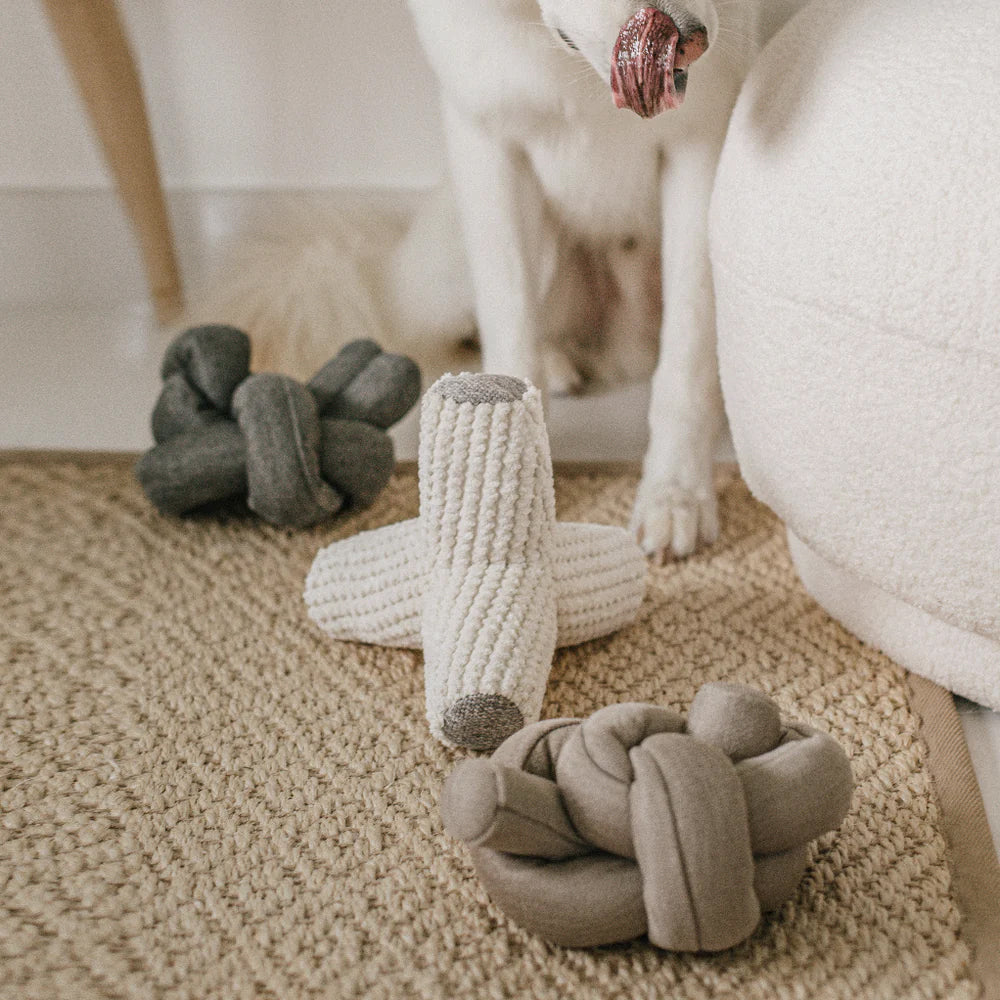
480	389
480	721
296	453
635	821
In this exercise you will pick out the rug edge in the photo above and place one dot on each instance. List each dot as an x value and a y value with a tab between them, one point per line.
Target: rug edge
972	858
83	456
87	457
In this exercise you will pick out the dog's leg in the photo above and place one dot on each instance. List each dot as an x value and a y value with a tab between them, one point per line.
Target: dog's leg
511	254
676	506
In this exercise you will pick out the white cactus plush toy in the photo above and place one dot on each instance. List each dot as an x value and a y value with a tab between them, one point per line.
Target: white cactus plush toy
484	579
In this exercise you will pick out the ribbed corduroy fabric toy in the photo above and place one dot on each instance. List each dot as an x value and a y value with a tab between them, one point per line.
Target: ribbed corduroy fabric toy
487	506
485	579
371	587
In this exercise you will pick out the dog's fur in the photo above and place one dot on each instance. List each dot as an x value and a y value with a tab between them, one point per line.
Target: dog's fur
570	236
584	226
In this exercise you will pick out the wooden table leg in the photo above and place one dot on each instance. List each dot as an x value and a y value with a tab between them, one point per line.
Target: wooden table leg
94	46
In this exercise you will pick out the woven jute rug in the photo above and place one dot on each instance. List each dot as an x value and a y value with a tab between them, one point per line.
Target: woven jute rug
202	796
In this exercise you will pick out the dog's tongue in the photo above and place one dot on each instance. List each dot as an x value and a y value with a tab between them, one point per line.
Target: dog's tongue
643	63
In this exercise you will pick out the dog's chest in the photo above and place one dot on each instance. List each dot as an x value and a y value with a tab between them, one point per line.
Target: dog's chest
602	182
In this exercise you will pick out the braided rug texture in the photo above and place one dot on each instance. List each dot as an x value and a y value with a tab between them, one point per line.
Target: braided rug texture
203	796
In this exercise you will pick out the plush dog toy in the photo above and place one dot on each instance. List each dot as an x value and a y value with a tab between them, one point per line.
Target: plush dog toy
372	587
485	579
298	453
634	822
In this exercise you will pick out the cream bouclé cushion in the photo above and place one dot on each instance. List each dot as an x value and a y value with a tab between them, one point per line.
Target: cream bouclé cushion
855	247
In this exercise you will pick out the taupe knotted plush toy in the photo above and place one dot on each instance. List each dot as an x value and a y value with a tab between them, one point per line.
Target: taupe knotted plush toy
297	453
634	822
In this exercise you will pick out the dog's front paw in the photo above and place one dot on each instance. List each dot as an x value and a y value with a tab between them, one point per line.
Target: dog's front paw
672	518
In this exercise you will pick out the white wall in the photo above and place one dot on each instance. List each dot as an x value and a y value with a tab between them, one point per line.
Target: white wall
241	94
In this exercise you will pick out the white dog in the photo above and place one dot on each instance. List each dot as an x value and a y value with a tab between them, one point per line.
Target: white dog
571	234
579	248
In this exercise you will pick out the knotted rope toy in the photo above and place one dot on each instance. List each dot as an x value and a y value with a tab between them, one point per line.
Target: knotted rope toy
634	822
297	453
484	579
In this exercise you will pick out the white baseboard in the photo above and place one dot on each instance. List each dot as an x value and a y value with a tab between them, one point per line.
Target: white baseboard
63	246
